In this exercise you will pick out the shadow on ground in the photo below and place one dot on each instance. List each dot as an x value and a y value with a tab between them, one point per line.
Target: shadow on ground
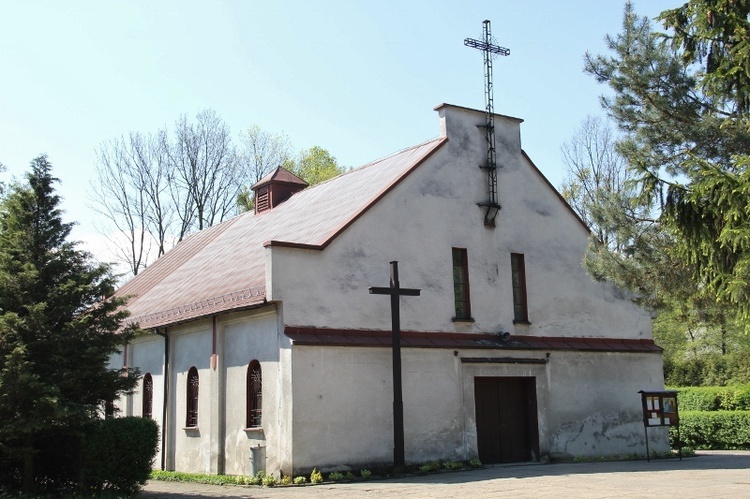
399	486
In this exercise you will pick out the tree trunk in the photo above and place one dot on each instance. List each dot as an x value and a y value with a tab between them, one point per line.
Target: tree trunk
28	485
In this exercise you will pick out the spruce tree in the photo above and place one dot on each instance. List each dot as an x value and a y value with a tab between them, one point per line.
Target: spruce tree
57	328
687	137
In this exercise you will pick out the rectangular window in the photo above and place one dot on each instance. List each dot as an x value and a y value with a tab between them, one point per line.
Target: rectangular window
461	284
518	268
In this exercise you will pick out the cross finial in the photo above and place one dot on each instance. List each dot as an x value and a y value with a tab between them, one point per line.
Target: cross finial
489	50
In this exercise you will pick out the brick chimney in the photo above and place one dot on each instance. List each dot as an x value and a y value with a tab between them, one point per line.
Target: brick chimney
275	188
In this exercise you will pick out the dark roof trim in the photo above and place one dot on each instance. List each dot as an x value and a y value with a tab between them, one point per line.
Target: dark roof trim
557	193
310	336
356	216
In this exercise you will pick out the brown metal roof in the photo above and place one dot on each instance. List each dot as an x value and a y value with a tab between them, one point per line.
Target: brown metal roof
361	338
281	175
223	267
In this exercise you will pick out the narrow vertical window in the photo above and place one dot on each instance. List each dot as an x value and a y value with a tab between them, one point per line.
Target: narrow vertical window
192	398
148	396
254	395
461	284
518	268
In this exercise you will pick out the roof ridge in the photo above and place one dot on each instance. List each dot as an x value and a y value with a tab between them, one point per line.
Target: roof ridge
374	162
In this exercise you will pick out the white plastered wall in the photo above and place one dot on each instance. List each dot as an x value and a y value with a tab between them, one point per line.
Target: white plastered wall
220	443
190	449
417	224
147	353
586	405
435	209
257	336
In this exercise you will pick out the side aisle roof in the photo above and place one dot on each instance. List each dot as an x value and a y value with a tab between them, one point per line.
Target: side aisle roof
222	268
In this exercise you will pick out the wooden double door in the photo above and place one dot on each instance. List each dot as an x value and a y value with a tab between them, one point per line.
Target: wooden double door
506	416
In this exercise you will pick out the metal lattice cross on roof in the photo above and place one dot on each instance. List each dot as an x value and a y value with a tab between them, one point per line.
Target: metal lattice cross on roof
489	50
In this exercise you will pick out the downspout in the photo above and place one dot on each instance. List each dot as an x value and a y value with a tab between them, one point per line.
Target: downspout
166	399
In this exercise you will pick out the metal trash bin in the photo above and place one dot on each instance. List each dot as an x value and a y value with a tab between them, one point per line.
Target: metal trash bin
257	459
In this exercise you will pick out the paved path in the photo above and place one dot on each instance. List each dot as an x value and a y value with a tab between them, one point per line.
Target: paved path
714	474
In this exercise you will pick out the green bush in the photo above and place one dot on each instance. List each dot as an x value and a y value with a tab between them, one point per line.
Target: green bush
698	398
335	476
112	456
119	454
713	430
735	398
316	476
714	398
453	465
708	369
268	481
430	467
300	480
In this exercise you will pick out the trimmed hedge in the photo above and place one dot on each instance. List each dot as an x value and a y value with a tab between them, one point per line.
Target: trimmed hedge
713	430
119	453
110	455
714	398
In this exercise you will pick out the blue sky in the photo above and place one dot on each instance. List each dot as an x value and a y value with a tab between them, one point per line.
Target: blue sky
358	78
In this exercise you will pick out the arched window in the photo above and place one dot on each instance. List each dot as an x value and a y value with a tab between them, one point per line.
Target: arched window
148	396
254	395
192	398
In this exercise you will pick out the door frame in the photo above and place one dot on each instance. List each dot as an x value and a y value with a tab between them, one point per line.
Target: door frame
516	367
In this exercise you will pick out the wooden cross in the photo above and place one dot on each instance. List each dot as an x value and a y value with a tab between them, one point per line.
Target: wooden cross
396	292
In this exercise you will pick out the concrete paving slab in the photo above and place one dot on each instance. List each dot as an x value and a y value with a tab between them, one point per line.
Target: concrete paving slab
714	474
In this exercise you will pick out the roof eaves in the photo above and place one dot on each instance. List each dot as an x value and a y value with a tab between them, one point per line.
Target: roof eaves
557	193
235	300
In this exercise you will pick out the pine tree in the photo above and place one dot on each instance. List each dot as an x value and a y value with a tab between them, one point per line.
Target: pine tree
687	136
57	330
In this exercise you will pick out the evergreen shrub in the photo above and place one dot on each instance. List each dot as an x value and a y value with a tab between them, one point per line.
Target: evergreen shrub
112	455
119	454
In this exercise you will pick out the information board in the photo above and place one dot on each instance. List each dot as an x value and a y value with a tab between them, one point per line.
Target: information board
660	409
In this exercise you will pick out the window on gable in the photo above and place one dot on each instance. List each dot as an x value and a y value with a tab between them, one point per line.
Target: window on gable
461	284
254	395
192	398
148	396
518	269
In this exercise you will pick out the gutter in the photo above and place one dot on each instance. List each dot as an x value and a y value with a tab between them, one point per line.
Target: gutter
166	398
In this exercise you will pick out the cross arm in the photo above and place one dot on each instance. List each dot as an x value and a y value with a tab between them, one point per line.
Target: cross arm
374	290
478	44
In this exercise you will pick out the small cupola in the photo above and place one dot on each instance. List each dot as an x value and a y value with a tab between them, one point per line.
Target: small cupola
275	188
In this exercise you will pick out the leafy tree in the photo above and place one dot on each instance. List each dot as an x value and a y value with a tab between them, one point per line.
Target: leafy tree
314	165
57	332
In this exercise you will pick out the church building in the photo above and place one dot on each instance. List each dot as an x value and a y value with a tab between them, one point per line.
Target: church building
265	349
